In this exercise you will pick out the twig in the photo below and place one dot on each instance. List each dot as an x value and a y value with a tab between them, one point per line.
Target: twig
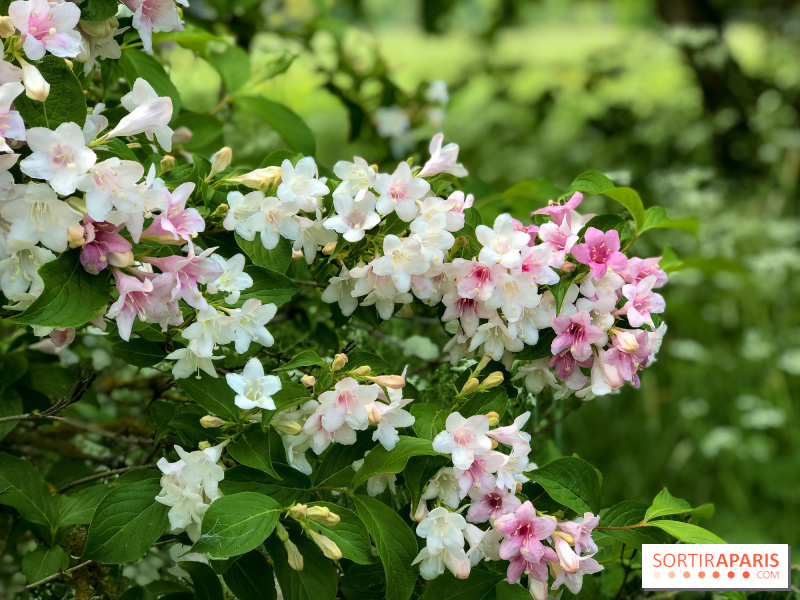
96	476
639	524
74	394
306	282
57	575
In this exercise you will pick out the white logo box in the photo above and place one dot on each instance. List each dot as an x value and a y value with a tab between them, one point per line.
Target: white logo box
712	567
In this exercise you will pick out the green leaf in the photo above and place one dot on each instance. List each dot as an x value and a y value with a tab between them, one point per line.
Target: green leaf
655	217
532	190
282	119
65	103
205	581
429	419
79	506
317	580
625	514
233	66
665	504
139	352
349	533
480	585
381	460
250	577
276	158
418	473
306	358
25	489
508	591
44	562
268	286
206	133
590	182
604	223
541	349
669	260
213	394
361	359
560	289
572	482
236	524
396	543
594	182
127	522
278	259
71	297
687	533
98	10
629	198
136	63
252	450
293	487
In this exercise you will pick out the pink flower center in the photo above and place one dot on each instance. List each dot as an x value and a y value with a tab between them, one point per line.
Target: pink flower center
463	438
600	253
41	26
398	190
62	156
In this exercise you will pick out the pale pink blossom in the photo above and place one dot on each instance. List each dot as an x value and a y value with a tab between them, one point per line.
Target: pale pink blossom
464	439
47	27
523	532
11	123
152	16
513	435
492	505
347	403
576	334
480	474
176	221
149	113
639	268
146	296
99	240
468	310
399	192
186	272
108	183
558	211
536	261
443	159
475	279
59	157
642	301
501	243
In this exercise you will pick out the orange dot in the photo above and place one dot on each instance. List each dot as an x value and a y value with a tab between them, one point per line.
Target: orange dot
731	574
686	574
746	574
657	574
715	574
702	574
671	574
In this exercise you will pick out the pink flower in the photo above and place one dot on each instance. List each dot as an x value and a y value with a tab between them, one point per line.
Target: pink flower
468	310
491	506
581	531
480	474
177	221
600	252
146	296
321	437
476	280
186	272
531	230
152	16
629	352
347	403
642	301
47	27
536	261
523	533
574	581
558	211
443	160
568	371
512	435
562	237
399	192
576	334
464	439
99	240
639	268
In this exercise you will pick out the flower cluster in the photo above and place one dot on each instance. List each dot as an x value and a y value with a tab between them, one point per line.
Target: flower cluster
489	480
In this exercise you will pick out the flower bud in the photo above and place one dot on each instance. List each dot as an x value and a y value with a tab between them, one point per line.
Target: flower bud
182	135
293	555
493	380
210	421
327	545
333	519
299	510
308	380
627	341
494	444
167	164
260	178
281	532
519	487
75	237
493	417
421	512
568	267
395	382
120	259
222	159
204	445
297	254
566	555
373	413
7	28
537	589
320	514
470	386
286	426
99	29
36	88
362	371
339	361
482	364
566	537
329	248
220	212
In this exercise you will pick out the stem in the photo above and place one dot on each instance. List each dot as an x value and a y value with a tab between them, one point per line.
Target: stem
75	393
96	476
639	524
59	574
325	488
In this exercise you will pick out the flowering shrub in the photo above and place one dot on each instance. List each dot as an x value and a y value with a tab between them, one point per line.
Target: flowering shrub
268	453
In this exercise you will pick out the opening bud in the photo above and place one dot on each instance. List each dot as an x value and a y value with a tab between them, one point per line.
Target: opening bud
167	164
421	512
565	536
322	514
120	259
568	267
220	212
260	179
36	88
308	380
395	382
299	510
362	371
210	421
286	426
339	361
182	135
327	545
493	380
204	445
373	413
482	364
329	248
293	554
222	159
519	487
75	236
7	28
469	387
493	417
627	341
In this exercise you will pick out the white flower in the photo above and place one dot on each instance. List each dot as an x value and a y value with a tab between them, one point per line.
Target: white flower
190	362
483	545
131	209
40	217
604	291
201	471
537	375
495	339
501	244
149	114
392	417
434	235
186	507
340	290
299	184
437	92
233	278
95	123
464	439
353	216
512	470
254	389
346	403
377	484
273	221
399	192
240	209
151	16
209	330
442	528
392	121
433	565
19	272
444	486
311	235
356	176
59	156
109	183
443	160
47	27
513	294
402	259
248	324
36	86
11	123
7	179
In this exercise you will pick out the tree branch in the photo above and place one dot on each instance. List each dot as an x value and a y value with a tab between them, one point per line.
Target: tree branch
96	476
57	575
75	393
